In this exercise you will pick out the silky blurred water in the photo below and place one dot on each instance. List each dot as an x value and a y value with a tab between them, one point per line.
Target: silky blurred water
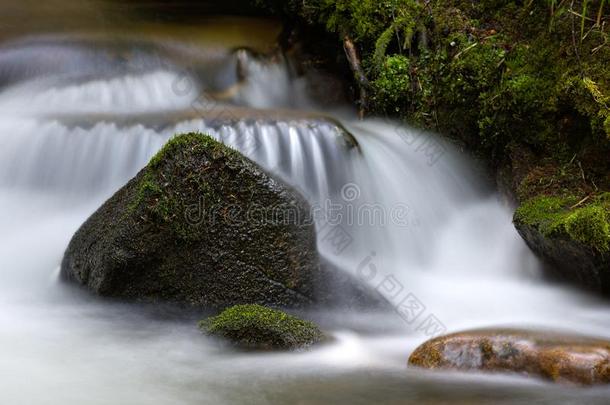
81	114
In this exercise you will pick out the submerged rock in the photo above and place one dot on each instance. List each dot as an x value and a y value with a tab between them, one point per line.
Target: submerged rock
558	358
255	327
203	225
573	239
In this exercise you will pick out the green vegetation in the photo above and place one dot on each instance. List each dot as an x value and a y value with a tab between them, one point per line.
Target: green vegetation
568	217
525	85
258	327
487	73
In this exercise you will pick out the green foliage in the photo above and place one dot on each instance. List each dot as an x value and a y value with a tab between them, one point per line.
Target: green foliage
402	28
381	46
372	23
523	104
490	73
597	104
258	327
393	83
365	19
477	64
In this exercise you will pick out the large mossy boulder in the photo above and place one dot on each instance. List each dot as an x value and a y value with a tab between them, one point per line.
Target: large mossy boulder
572	235
254	327
203	225
558	358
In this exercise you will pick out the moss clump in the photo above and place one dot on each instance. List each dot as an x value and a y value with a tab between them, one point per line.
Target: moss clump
393	84
193	141
166	194
590	225
258	327
559	216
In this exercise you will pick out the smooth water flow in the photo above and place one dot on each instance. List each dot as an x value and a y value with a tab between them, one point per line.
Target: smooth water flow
400	209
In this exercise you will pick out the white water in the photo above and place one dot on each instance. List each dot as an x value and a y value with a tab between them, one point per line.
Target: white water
447	240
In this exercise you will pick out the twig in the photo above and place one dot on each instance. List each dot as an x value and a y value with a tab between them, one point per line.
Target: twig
457	55
594	185
581	202
572	160
581	15
574	40
582	172
354	61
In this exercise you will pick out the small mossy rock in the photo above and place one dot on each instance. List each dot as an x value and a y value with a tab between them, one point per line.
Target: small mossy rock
574	240
205	226
558	358
255	327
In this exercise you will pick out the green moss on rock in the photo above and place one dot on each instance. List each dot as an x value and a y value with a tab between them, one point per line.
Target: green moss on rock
203	225
180	231
559	216
166	197
261	328
547	214
590	226
572	235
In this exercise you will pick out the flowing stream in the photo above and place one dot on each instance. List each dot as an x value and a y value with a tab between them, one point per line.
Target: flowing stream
401	209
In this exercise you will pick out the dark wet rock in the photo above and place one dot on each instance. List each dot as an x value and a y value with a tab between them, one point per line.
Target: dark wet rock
554	357
203	225
569	260
255	327
572	237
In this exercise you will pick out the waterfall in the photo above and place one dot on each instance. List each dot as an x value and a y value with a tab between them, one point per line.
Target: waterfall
400	208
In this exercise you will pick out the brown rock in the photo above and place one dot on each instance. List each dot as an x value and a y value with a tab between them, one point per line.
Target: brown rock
559	358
